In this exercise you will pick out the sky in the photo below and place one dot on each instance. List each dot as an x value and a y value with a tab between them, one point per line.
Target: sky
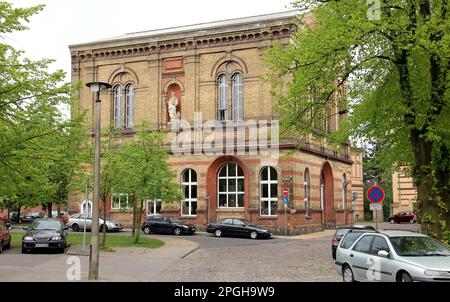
66	22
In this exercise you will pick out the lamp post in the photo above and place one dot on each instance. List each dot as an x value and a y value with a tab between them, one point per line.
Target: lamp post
95	87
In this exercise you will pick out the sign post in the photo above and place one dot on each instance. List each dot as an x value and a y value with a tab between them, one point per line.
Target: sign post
376	196
286	201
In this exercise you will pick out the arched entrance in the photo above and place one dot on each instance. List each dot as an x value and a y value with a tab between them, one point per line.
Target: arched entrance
231	194
327	195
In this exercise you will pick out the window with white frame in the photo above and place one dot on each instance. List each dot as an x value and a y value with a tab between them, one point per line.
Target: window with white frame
231	189
129	106
119	201
117	95
238	98
307	190
86	207
189	191
153	207
269	191
222	98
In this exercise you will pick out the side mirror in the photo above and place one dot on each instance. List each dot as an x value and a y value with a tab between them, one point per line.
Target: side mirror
383	254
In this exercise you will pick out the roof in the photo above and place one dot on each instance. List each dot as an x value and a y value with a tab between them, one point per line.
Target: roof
401	233
199	28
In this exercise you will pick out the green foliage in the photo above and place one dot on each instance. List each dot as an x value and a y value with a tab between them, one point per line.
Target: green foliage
39	148
390	73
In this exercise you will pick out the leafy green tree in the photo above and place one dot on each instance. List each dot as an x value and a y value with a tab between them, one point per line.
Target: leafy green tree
393	64
142	170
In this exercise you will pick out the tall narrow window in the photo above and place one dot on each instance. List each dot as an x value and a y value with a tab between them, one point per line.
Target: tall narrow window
344	191
223	98
307	189
129	107
231	186
189	191
153	207
269	191
118	107
238	98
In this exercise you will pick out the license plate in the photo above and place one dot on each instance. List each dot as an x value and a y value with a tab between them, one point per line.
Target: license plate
41	245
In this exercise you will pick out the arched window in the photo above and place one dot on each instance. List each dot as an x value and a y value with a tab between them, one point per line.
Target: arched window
189	191
86	207
269	191
231	186
307	190
238	98
129	106
222	98
344	191
117	106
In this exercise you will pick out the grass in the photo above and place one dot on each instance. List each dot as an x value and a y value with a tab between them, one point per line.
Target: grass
111	241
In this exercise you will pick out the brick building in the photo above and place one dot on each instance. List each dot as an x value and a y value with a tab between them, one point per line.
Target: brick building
404	191
215	69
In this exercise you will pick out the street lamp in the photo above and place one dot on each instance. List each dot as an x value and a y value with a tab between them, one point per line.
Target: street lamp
96	87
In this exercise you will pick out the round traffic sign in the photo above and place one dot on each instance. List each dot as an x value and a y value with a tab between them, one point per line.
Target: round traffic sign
285	191
375	194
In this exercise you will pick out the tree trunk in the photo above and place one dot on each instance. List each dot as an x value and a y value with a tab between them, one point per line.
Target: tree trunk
134	219
104	224
49	209
428	208
138	223
18	213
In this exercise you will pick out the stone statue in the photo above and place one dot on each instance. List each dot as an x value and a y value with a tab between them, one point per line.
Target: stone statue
172	105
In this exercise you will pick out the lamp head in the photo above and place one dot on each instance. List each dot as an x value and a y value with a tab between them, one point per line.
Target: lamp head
97	86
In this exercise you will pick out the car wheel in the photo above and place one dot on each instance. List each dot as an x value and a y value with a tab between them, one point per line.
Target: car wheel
253	235
103	226
347	274
218	233
75	227
177	231
24	251
147	230
392	221
404	277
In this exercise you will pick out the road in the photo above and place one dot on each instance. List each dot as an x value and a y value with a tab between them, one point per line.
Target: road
196	258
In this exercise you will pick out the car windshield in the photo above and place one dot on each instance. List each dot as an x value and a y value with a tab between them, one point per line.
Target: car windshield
348	240
175	221
46	225
341	232
418	247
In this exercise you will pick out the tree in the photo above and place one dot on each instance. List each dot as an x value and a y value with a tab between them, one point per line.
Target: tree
395	70
30	119
141	169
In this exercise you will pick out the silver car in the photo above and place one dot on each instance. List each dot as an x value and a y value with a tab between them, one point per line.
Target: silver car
77	221
392	256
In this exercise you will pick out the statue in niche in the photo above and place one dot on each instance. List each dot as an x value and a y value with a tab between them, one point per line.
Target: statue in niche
172	105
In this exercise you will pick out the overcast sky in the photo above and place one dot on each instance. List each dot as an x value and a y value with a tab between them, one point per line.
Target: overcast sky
65	22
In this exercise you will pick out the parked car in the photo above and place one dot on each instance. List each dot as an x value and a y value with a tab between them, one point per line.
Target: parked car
392	256
238	228
341	231
166	225
76	223
14	216
62	215
45	233
6	221
403	217
5	237
30	217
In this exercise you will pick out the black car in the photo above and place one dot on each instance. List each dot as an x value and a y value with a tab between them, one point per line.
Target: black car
166	225
45	234
30	217
341	231
238	228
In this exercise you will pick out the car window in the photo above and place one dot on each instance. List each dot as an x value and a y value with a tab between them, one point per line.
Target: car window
379	244
227	221
348	240
363	244
415	246
238	222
